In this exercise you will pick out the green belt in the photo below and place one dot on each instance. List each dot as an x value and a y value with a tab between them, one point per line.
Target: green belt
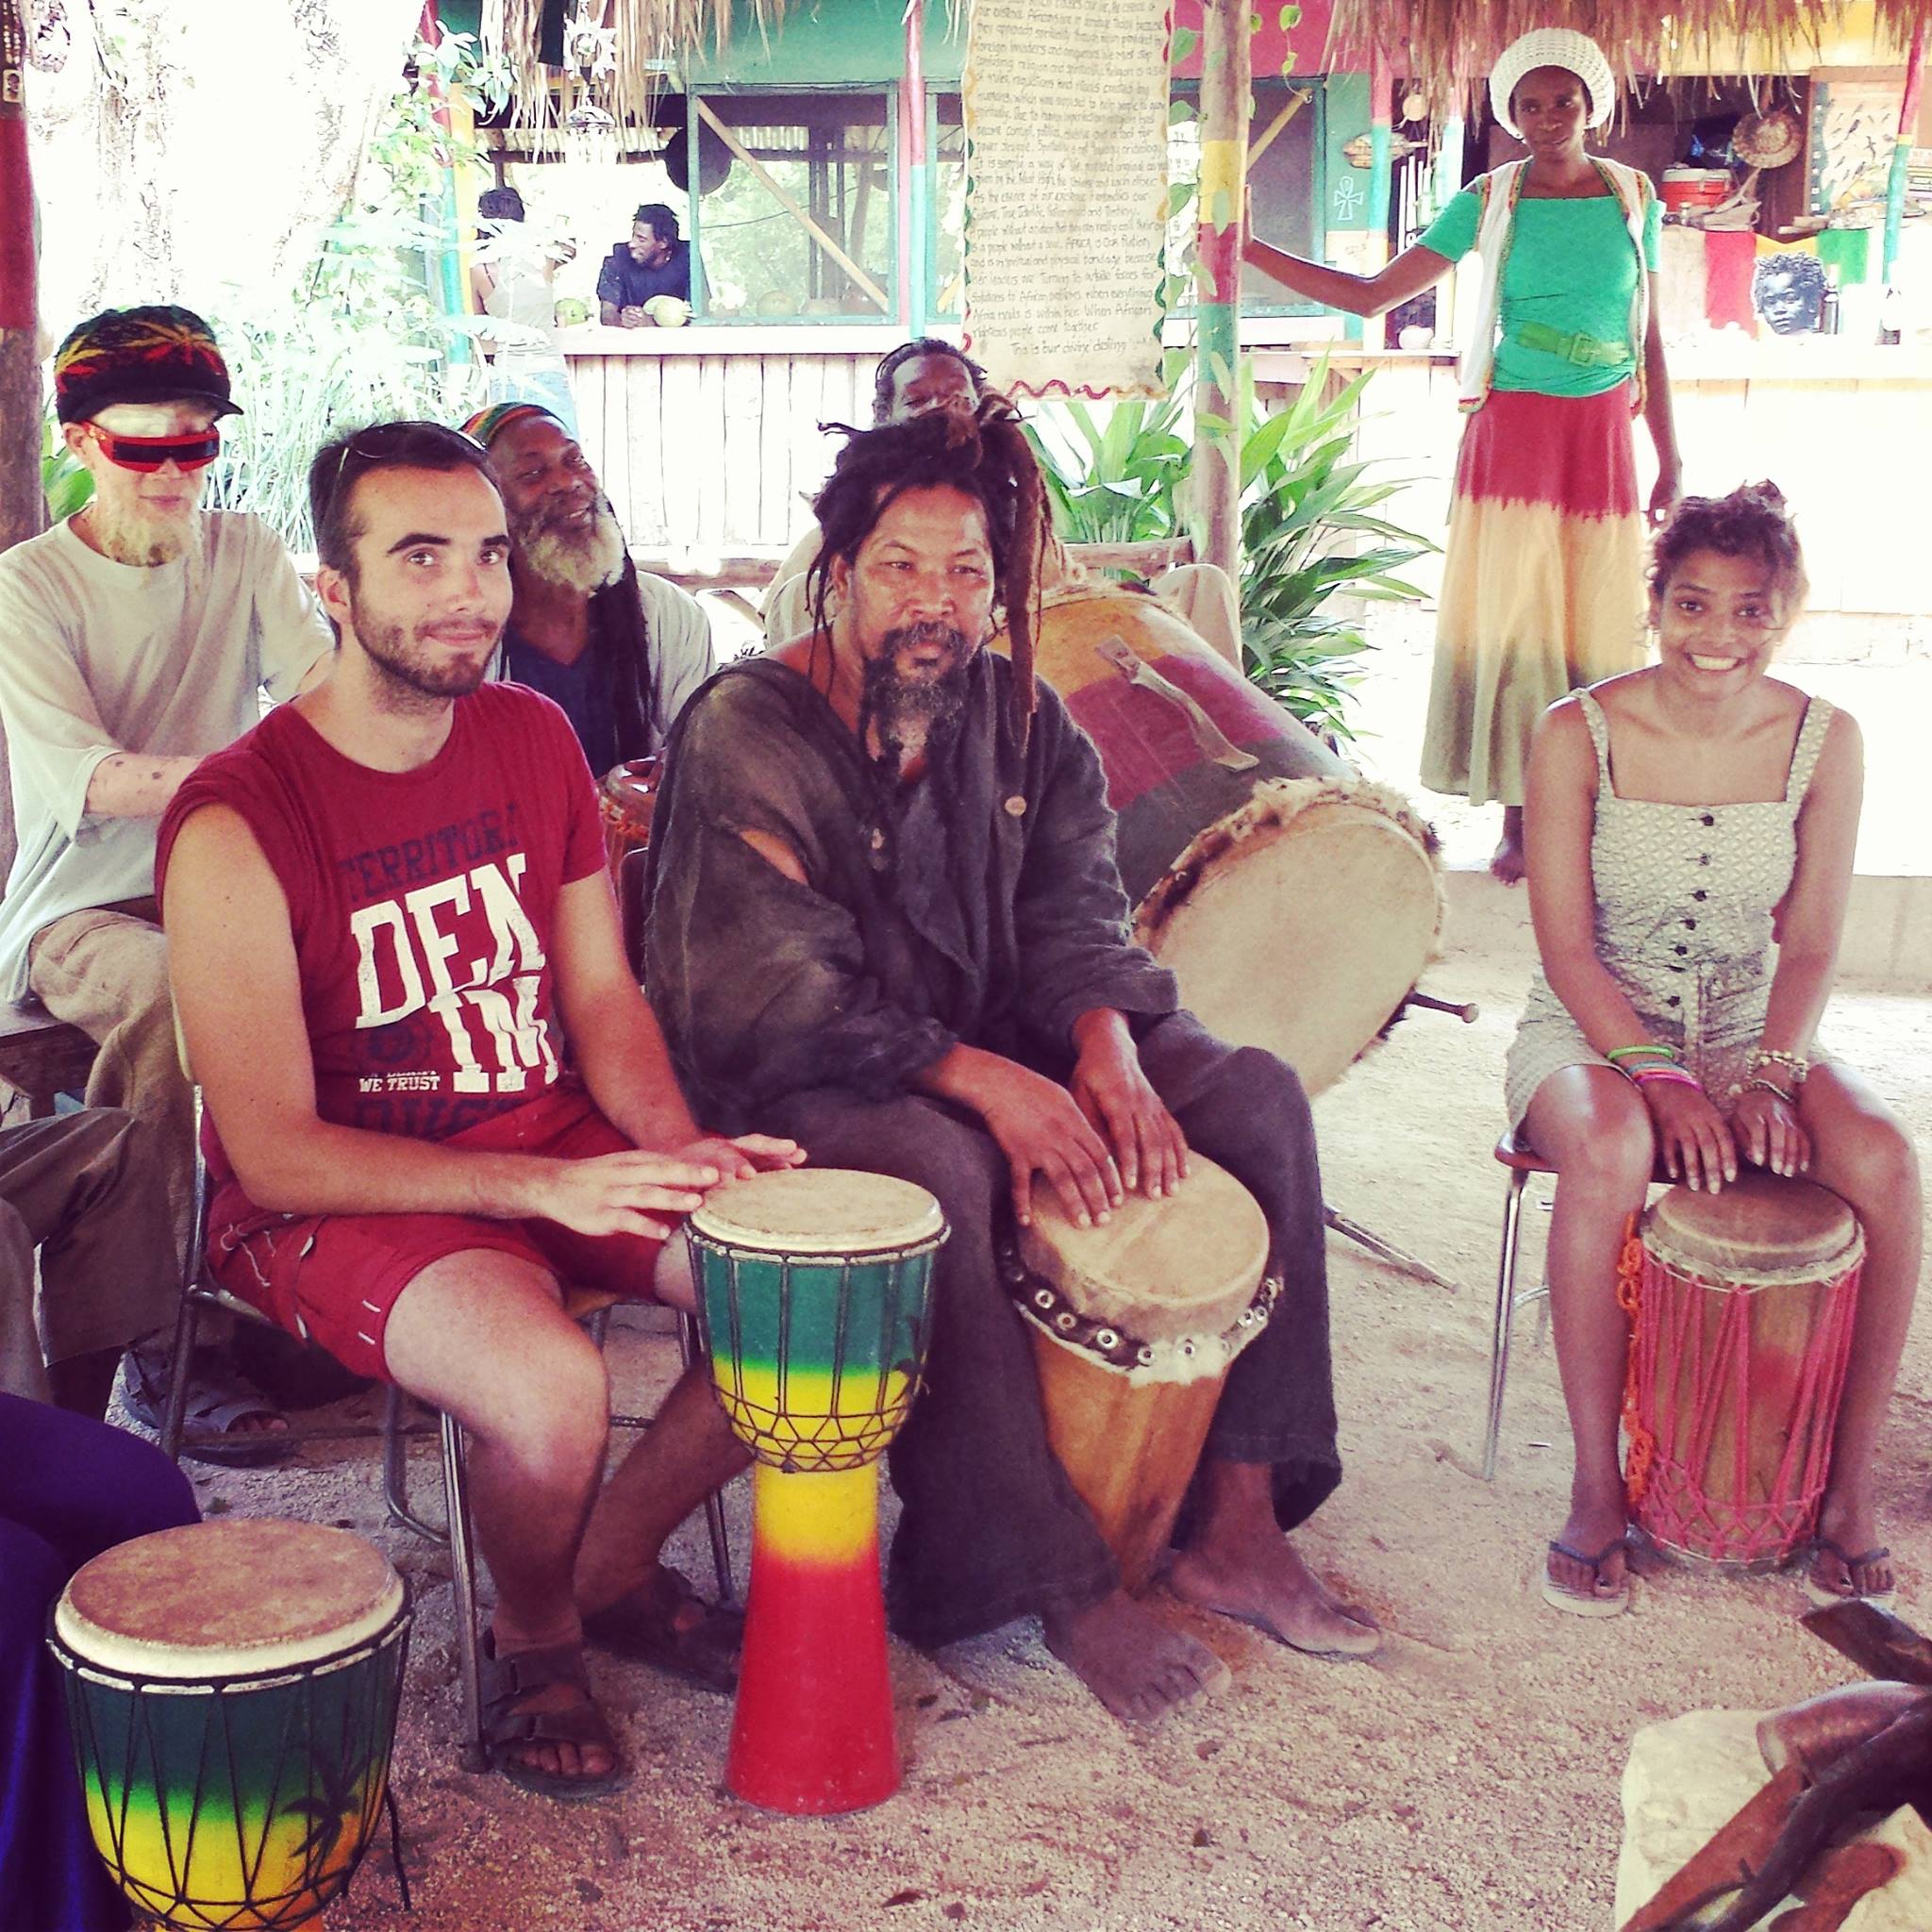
1572	346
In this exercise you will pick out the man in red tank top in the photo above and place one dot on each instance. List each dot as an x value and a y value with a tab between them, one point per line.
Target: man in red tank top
434	1090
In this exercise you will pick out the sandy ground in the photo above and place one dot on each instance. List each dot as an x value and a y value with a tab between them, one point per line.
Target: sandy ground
1466	1779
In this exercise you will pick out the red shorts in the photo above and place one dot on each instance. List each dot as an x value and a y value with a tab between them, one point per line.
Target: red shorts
333	1278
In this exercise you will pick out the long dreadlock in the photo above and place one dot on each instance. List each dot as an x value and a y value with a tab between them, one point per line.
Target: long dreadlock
983	456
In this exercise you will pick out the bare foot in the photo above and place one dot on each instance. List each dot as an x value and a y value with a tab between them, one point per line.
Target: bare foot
1137	1668
1265	1583
1507	862
1594	1523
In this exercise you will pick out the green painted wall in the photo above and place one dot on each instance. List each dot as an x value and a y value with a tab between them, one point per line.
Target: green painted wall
1346	204
831	44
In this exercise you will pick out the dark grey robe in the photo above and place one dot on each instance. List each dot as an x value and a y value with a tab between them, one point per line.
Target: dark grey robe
980	904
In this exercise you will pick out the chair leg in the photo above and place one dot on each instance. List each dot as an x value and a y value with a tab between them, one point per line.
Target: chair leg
1506	1314
187	1322
396	1470
689	1349
462	1565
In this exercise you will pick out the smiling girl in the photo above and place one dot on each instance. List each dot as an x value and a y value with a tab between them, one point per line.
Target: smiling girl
1691	832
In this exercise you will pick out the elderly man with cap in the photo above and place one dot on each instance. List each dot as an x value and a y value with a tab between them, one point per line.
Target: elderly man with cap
618	649
139	634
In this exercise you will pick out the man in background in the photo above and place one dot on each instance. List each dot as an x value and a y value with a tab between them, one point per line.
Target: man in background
653	263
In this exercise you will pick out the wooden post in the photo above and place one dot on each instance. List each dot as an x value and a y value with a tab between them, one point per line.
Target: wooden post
1381	124
23	508
1226	91
1901	154
915	193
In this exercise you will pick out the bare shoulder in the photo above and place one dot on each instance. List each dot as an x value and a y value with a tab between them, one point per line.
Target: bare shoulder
1620	698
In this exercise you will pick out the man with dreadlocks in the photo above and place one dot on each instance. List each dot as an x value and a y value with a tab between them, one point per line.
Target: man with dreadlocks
617	649
886	920
925	375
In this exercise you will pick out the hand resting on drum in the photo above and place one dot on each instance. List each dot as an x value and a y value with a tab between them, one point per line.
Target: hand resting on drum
642	1194
1693	1139
1111	1089
1768	1133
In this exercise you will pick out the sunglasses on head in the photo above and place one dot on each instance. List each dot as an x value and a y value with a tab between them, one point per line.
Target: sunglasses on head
147	453
393	443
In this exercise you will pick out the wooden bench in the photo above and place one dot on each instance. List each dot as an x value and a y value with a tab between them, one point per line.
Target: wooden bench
42	1057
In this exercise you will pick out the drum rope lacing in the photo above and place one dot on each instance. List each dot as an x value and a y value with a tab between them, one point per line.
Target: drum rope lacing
1642	1442
1180	1359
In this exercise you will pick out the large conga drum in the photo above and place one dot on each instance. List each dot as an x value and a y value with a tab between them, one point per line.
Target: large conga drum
1745	1303
1296	903
626	802
1136	1322
232	1689
812	1297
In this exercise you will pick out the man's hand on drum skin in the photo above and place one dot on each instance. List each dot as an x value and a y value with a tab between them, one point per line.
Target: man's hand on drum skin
1768	1130
1041	1131
1693	1136
630	1193
739	1158
1113	1090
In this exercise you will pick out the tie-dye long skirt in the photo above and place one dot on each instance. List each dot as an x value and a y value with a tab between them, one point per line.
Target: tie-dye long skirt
1542	580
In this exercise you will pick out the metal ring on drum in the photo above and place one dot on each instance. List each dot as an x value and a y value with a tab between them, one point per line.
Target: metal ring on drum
232	1689
813	1302
1136	1322
1296	903
1746	1306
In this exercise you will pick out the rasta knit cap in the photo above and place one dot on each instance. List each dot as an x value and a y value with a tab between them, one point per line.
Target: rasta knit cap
155	353
486	425
1553	46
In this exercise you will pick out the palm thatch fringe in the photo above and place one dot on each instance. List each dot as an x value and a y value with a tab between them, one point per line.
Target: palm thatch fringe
1450	46
651	36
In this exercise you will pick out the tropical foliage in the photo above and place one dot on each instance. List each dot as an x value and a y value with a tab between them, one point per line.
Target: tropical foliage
1309	528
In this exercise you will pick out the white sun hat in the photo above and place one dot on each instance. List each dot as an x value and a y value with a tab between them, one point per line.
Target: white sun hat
1553	46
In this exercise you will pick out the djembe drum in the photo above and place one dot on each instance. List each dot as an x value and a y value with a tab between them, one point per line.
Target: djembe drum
1745	1302
812	1299
626	802
1136	1322
232	1689
1295	902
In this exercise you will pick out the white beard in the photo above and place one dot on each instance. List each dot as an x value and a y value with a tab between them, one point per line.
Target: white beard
577	562
143	541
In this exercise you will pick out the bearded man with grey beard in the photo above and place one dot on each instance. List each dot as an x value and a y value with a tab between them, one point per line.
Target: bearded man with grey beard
139	637
618	649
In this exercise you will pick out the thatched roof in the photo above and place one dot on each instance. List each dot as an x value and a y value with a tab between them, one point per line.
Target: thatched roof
1445	42
649	38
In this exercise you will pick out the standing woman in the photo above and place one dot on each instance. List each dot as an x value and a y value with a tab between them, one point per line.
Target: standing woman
1691	827
1541	581
517	286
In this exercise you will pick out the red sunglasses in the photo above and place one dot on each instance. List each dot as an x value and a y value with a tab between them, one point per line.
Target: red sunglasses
148	452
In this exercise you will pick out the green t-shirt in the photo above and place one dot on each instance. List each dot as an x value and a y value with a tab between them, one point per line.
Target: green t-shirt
1570	267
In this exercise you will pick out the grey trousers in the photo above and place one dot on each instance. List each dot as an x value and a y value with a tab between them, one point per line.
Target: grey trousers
106	971
87	1189
991	1529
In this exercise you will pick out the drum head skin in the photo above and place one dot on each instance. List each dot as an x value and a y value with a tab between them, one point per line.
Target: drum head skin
233	1598
819	1211
1187	1265
1301	923
1759	1227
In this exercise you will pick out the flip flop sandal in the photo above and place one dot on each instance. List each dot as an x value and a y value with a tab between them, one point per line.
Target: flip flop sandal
1597	1602
1823	1596
217	1402
666	1624
507	1732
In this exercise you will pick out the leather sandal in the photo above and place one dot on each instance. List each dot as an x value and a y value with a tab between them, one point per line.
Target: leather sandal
508	1732
1822	1595
665	1623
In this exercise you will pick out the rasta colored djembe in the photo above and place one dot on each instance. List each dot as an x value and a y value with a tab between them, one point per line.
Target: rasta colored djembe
232	1693
812	1298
